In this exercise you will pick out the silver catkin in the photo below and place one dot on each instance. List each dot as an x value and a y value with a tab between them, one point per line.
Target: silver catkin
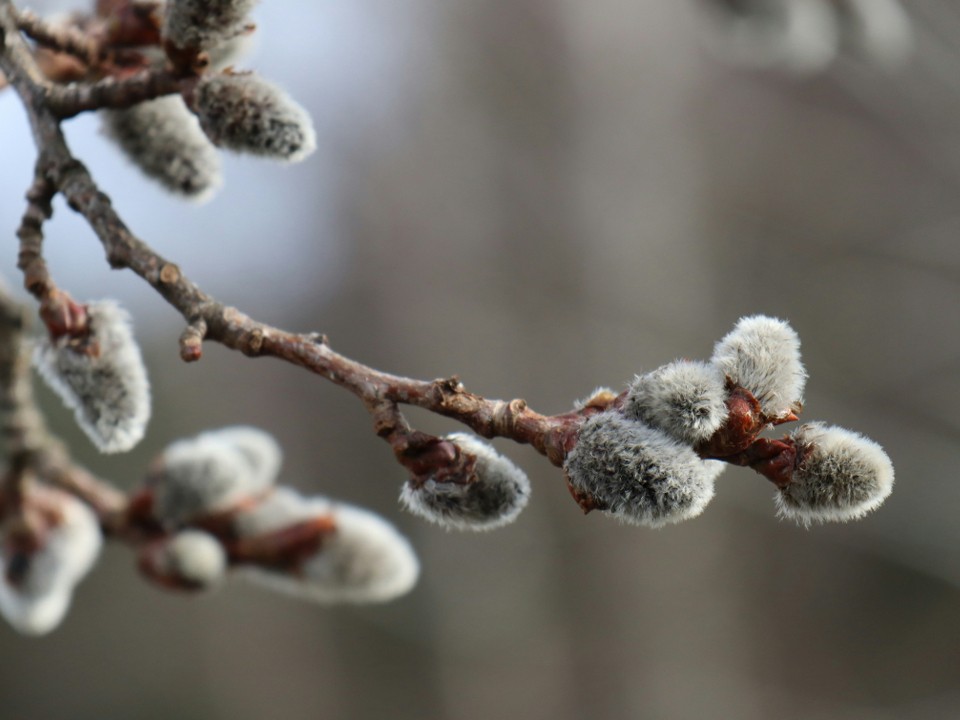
363	560
195	557
245	113
108	390
203	475
493	498
163	138
204	24
39	600
762	354
685	399
841	475
637	473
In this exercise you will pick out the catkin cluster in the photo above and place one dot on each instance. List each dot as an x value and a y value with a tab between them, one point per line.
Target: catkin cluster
215	496
174	140
652	457
806	36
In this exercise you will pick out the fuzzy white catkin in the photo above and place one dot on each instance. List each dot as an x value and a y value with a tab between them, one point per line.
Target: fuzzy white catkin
204	24
245	113
108	390
497	495
363	560
842	476
685	399
637	473
39	602
762	354
257	448
164	139
203	475
196	557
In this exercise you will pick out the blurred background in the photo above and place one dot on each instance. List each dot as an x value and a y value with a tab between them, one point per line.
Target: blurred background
544	197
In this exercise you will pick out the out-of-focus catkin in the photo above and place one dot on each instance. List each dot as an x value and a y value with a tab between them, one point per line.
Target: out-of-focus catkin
204	24
164	139
244	113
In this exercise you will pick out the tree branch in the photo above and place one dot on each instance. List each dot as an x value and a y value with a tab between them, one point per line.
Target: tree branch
210	319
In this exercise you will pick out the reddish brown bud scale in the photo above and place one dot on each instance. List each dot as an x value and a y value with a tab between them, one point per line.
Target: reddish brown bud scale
744	422
286	548
62	315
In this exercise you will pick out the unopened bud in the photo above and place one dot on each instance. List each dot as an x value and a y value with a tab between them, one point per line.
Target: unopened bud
637	473
762	354
493	496
687	400
165	141
242	112
839	475
101	376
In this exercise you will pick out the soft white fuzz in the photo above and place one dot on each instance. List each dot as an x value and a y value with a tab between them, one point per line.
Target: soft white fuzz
107	389
205	475
163	138
363	560
687	400
841	475
38	601
637	473
763	355
494	497
204	24
244	113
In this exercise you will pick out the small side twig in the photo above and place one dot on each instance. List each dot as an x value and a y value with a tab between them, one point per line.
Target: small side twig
61	38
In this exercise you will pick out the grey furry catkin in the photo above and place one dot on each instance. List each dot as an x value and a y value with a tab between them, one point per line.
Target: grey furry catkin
258	449
38	599
363	560
242	112
685	399
494	497
637	473
164	139
195	557
762	354
107	388
203	475
204	24
840	475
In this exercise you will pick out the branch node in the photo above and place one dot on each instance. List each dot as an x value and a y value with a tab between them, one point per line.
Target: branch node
169	274
252	342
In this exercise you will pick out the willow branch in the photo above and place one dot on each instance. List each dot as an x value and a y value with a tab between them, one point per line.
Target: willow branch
210	319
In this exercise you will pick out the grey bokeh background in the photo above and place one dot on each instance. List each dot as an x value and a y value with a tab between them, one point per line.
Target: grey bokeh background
544	197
